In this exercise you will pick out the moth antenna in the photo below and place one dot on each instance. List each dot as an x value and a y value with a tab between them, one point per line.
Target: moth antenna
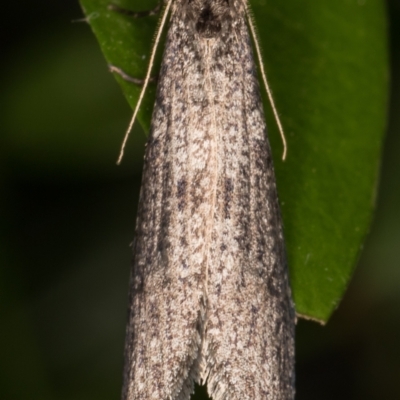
146	80
264	78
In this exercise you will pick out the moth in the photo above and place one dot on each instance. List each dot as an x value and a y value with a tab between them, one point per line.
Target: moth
210	300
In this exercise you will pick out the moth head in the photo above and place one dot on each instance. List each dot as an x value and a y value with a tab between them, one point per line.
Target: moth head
209	16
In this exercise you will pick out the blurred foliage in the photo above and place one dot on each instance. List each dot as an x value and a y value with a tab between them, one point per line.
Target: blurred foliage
67	219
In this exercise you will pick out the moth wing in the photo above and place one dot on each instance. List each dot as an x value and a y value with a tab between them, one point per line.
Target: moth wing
166	300
249	332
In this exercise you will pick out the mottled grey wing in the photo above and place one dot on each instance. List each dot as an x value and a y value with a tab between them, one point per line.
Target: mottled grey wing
248	344
209	291
167	299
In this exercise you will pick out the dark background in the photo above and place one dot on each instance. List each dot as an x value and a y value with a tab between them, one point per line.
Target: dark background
67	218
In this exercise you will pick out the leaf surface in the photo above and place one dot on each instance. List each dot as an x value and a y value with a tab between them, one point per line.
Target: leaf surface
327	65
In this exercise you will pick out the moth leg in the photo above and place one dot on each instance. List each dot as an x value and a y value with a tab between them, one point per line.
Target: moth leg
136	14
129	78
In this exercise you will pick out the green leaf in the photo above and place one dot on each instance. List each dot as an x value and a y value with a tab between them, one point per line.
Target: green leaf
327	65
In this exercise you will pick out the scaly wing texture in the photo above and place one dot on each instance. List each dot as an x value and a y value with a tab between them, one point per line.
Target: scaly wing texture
174	220
248	349
210	298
